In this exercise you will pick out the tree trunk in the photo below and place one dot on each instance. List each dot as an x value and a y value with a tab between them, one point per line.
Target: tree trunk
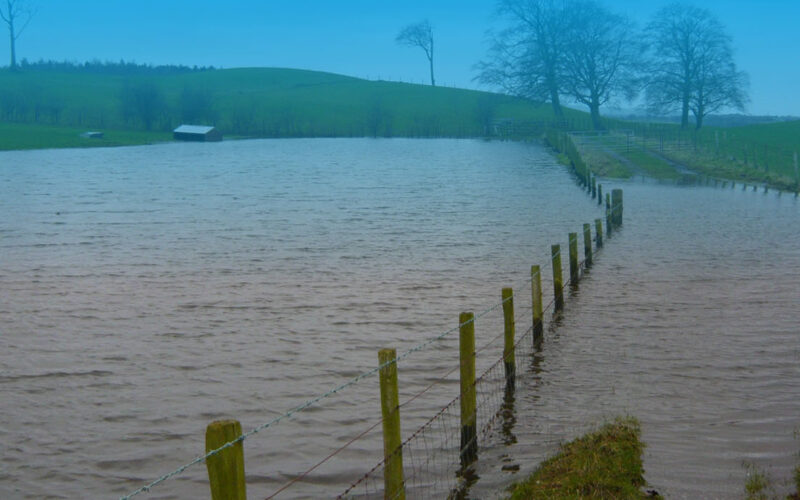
594	109
13	41
685	111
556	103
433	82
701	113
699	120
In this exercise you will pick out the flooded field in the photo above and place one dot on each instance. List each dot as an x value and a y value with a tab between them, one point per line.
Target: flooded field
145	292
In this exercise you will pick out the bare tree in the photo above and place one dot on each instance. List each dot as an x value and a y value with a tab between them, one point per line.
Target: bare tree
527	58
16	14
692	67
601	57
419	35
718	84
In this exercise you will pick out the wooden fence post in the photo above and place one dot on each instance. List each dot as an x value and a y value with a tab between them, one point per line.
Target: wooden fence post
594	187
393	482
573	259
616	207
469	417
587	244
536	296
509	359
609	225
598	228
558	280
226	468
599	194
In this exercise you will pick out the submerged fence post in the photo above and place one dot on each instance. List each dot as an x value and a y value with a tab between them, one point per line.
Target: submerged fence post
573	259
598	228
594	187
509	359
469	418
226	468
599	194
587	244
536	297
558	280
393	486
616	207
609	225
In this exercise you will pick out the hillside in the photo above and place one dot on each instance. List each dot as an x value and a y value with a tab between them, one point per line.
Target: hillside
255	102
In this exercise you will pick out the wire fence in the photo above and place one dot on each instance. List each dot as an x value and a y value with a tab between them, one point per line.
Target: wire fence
433	453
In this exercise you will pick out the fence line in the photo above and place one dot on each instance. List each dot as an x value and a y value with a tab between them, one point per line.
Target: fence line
459	483
610	209
146	488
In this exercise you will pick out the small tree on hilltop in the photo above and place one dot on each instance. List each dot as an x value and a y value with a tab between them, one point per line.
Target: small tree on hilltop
16	14
419	35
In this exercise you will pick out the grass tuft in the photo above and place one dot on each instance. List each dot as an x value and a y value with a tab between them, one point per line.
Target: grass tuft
605	464
758	485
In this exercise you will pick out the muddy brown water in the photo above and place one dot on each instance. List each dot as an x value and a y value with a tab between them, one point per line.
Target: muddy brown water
147	291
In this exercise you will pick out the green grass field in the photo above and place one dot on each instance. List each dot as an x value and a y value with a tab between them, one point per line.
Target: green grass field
23	136
762	154
248	102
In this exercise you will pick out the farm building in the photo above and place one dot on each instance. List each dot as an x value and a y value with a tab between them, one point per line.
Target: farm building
199	133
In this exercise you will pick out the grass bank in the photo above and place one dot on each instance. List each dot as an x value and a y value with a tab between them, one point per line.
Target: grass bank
759	154
24	136
665	152
606	464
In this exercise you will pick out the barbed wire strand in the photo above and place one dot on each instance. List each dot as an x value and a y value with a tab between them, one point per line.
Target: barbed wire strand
290	413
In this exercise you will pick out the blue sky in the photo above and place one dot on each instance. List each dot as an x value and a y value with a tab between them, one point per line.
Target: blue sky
356	37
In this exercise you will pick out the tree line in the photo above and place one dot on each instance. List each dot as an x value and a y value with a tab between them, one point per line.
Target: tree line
99	67
578	50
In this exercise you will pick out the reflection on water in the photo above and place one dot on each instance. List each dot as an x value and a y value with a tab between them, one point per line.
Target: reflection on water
147	291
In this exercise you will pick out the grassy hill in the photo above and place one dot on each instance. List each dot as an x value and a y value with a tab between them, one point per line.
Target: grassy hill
254	102
49	106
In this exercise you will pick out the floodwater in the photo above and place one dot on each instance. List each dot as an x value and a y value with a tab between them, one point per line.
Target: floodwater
145	292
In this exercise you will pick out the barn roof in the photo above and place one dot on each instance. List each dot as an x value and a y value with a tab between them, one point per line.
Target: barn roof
193	129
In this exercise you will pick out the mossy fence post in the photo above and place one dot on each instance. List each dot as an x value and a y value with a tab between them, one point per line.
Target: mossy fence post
587	244
599	194
226	468
594	187
509	359
598	228
558	280
469	417
536	298
609	225
393	486
573	259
